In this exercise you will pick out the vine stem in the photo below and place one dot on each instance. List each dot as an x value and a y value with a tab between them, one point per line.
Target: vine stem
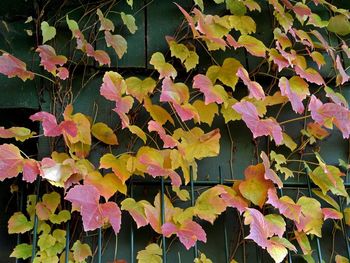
295	119
47	78
303	161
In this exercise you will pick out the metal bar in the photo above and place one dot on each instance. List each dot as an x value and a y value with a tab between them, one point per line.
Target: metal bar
318	248
195	248
35	230
132	226
228	183
162	211
99	249
225	230
66	252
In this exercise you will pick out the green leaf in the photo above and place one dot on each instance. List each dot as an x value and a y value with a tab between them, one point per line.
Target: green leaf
191	61
72	25
46	241
19	224
236	7
129	21
22	251
200	4
130	3
48	32
61	217
202	259
152	254
339	24
81	251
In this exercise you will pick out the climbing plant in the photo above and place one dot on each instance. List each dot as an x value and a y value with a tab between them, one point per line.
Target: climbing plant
179	101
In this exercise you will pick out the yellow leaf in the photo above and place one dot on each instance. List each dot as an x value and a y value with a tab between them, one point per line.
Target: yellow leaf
137	131
140	88
191	61
253	45
129	21
103	133
118	165
165	69
228	112
244	24
206	112
157	113
226	73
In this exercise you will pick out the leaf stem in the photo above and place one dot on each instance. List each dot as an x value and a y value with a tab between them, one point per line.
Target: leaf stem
303	161
47	78
295	119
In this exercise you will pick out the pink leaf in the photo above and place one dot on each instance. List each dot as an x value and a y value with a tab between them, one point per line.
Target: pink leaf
211	93
10	161
296	89
330	213
328	113
255	89
30	170
186	111
13	67
100	56
269	173
343	76
285	205
50	126
50	60
258	127
189	232
310	74
111	212
94	214
155	169
189	20
169	142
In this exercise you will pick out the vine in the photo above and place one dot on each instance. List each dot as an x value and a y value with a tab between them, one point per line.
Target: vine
178	99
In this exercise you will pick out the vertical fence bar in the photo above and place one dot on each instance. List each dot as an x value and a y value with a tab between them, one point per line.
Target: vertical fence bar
66	252
318	248
35	230
131	226
99	249
195	248
163	218
225	230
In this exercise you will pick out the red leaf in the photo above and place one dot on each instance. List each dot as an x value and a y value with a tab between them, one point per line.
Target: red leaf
13	67
50	126
211	93
10	161
188	232
258	127
255	89
269	173
328	113
94	214
285	205
62	73
169	142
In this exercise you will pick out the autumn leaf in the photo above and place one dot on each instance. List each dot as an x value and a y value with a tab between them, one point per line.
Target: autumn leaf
255	89
118	165
22	251
140	88
11	161
50	126
166	70
152	254
227	73
296	89
255	186
104	133
48	32
13	67
257	126
106	24
94	214
49	60
269	173
19	133
285	205
18	223
81	251
158	113
188	232
136	210
206	112
169	142
117	42
212	93
253	45
129	21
